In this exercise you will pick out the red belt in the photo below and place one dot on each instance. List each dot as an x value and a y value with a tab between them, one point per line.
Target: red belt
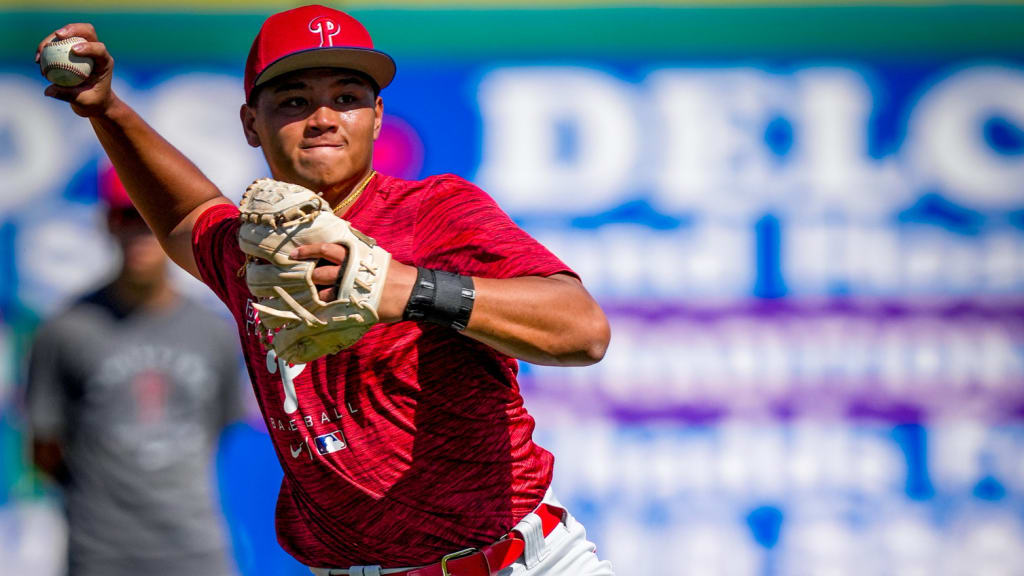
491	559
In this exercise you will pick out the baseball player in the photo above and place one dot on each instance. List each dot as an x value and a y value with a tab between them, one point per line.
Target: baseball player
410	451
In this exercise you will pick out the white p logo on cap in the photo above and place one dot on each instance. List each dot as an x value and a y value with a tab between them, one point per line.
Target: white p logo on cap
326	28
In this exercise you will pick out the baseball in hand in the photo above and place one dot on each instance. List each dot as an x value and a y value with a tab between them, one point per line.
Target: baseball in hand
63	67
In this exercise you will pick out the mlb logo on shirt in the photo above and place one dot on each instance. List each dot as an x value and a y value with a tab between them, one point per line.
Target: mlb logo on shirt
330	442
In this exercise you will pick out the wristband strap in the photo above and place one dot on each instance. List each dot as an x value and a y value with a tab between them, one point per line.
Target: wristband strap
440	297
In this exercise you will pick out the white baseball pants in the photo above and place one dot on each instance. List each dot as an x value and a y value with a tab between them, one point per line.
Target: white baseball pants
565	552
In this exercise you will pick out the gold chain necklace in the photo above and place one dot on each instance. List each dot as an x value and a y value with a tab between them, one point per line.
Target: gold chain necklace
351	198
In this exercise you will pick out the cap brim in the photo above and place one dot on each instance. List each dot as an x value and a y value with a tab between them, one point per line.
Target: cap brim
375	64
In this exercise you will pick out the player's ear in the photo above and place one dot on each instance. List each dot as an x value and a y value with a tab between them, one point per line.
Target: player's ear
378	120
248	118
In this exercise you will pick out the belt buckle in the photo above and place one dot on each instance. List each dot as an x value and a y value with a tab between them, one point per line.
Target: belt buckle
454	556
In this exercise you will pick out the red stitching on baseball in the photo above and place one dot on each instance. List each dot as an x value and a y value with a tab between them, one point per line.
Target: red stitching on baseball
64	66
72	40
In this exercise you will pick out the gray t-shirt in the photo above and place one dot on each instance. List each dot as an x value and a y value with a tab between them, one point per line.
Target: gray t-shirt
137	400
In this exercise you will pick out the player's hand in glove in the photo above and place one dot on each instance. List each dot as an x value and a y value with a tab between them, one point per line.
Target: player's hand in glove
301	317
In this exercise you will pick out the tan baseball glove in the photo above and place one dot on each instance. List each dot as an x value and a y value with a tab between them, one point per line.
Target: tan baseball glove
276	218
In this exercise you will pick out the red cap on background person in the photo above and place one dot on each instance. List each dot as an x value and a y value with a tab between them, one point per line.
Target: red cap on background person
313	37
121	213
143	262
111	191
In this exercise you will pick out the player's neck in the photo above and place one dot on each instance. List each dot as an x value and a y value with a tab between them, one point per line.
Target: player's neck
344	194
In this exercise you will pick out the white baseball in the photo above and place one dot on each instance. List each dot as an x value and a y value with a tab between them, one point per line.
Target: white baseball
61	66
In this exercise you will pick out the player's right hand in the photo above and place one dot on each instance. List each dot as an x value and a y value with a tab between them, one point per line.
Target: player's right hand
93	97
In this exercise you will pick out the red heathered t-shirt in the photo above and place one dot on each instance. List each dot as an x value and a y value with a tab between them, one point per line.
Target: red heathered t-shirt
414	442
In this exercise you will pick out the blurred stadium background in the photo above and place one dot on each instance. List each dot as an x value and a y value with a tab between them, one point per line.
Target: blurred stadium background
806	222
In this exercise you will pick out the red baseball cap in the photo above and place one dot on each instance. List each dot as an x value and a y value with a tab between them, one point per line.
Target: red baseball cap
312	37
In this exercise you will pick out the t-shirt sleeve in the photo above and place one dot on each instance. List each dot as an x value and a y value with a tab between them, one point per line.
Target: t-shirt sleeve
46	396
215	248
460	228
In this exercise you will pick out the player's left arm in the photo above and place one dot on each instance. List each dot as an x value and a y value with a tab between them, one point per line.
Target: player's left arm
543	320
549	320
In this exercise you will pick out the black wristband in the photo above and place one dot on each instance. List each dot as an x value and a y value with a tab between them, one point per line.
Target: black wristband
441	297
422	298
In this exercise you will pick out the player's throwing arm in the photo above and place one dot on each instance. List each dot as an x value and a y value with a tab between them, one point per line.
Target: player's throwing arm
166	187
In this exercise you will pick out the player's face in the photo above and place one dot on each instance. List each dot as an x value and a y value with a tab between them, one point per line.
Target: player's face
316	128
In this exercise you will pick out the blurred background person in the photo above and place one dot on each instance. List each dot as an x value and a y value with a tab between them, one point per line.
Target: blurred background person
128	391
